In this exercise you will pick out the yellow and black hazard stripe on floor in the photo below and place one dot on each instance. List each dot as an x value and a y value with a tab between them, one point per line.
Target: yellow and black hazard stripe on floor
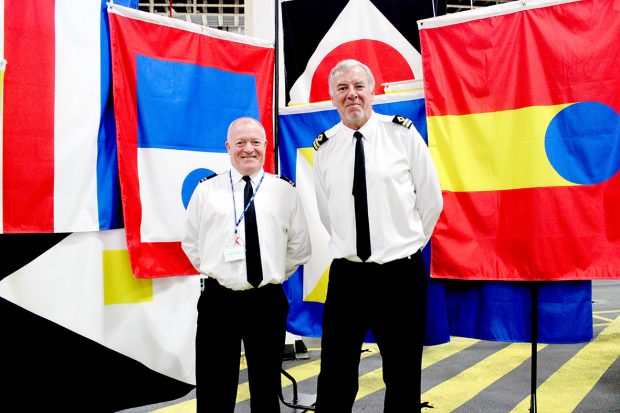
567	375
467	375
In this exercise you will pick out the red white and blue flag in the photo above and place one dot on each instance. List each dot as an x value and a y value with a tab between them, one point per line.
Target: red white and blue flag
177	87
59	164
523	112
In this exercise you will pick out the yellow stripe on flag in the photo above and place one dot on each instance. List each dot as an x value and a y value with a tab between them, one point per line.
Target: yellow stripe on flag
494	151
119	284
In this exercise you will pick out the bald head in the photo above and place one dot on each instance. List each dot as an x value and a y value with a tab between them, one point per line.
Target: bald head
246	143
245	121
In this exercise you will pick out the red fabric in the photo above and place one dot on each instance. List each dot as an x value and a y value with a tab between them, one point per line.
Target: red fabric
373	53
488	235
28	142
551	55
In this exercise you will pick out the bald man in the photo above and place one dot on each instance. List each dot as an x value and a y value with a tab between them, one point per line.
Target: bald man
246	233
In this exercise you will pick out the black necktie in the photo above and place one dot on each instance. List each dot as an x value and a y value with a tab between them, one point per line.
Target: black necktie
252	249
361	200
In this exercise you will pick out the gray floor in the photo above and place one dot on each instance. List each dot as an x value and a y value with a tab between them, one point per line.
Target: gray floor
501	396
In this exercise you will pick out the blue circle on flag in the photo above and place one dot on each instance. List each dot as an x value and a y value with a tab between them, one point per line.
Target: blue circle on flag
583	143
191	182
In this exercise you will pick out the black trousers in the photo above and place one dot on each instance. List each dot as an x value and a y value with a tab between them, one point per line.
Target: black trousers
388	299
225	318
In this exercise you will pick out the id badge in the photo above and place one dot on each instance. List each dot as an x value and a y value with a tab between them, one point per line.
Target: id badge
235	251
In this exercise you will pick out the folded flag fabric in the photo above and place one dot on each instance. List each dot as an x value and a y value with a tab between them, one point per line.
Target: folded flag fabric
177	87
524	128
59	165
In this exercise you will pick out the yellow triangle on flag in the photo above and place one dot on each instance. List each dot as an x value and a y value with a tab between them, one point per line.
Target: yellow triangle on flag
308	154
319	293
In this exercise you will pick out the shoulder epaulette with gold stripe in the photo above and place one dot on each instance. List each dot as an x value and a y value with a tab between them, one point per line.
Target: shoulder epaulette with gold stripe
207	177
284	178
320	140
403	121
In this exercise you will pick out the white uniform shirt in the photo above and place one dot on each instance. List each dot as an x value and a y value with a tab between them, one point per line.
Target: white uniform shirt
282	229
404	197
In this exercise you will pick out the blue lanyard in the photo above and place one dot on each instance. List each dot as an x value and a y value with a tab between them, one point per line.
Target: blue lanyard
232	188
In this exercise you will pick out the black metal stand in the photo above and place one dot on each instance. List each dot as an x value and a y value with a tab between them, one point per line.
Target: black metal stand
534	371
300	403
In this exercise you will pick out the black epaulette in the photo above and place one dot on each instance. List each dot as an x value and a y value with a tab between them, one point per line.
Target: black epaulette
320	140
403	121
207	178
284	178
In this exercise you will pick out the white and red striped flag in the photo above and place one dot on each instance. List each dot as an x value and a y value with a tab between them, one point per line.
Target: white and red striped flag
59	168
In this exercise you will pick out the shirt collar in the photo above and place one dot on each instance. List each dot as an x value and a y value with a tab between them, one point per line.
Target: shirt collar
368	129
237	176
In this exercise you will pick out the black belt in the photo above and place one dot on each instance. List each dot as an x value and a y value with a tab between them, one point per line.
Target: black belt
366	262
213	284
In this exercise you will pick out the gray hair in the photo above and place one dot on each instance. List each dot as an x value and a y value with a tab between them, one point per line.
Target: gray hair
346	65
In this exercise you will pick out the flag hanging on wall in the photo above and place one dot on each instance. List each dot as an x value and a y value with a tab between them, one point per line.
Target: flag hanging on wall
59	164
320	33
523	106
499	311
177	87
69	303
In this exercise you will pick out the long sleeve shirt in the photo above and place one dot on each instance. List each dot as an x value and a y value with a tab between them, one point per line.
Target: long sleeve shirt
404	196
211	220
